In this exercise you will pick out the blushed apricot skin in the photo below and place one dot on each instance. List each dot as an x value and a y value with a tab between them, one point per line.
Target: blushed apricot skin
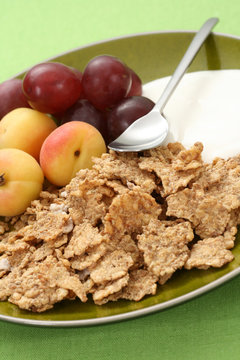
25	129
68	149
21	180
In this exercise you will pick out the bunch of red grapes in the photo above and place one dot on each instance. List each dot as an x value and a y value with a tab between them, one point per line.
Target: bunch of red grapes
106	95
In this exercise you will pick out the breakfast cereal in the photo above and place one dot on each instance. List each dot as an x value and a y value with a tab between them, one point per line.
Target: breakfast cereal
122	228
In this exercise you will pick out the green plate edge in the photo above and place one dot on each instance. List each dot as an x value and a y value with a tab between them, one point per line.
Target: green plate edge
152	56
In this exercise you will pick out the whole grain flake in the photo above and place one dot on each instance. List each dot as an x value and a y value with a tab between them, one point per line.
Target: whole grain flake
121	229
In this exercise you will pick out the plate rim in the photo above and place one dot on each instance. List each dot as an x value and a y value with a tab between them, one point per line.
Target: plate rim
153	308
127	315
94	43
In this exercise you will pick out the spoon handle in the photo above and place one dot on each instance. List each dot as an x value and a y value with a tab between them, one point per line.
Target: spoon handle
186	61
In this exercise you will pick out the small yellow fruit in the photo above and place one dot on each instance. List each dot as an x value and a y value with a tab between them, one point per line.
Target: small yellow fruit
21	180
68	149
25	129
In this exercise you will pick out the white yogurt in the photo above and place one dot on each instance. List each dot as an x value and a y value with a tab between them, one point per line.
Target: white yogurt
204	107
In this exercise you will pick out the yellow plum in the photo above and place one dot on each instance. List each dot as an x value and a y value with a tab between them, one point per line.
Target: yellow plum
21	180
25	129
68	149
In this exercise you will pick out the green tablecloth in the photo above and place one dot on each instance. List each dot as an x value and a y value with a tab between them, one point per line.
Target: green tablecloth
205	328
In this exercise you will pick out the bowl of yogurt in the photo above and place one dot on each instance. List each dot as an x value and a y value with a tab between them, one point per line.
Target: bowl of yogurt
205	107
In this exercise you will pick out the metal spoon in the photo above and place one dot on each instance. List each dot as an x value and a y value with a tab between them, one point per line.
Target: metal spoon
150	130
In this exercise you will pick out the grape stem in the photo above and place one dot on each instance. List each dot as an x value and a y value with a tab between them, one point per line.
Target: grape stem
2	180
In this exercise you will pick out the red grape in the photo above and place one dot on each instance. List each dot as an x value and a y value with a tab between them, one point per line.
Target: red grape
51	87
125	113
11	96
136	87
83	110
106	80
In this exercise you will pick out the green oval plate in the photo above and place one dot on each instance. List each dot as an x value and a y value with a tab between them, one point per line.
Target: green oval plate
152	56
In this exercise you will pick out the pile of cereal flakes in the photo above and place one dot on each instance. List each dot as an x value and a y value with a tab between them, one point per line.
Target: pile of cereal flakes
120	229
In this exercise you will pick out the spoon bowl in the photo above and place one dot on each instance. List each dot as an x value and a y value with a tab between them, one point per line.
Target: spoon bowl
138	136
151	130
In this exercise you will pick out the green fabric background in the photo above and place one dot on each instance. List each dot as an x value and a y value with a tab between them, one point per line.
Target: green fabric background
205	328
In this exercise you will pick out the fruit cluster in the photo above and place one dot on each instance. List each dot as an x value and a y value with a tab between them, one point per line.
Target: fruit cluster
54	120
